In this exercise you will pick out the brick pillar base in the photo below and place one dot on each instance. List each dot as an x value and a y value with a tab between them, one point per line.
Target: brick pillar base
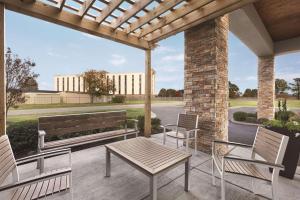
206	79
266	87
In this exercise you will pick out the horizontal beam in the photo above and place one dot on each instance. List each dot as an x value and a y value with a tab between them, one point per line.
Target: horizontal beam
52	14
108	10
61	4
137	7
210	11
160	9
174	15
87	4
287	46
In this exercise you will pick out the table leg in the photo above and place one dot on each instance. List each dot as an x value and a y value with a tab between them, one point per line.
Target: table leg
186	177
153	187
107	174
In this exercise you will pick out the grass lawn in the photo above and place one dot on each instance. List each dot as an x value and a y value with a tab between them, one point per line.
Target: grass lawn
131	113
291	103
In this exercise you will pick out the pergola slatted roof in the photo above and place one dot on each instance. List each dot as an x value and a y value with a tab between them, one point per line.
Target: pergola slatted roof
139	23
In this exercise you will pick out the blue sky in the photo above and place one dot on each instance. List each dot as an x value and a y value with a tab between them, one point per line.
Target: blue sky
59	50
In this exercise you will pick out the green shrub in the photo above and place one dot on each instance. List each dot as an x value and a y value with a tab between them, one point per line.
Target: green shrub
254	115
284	115
155	124
118	99
240	116
251	119
23	137
293	126
295	118
262	120
274	123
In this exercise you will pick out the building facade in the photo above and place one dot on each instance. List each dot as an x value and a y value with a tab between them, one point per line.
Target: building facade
124	83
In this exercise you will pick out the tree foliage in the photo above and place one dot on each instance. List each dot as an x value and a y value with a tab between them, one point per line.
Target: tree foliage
97	83
19	77
280	86
250	93
170	93
162	92
295	87
234	90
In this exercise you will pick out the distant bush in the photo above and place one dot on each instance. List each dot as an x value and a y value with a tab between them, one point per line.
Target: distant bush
274	123
240	116
251	119
118	99
155	124
23	137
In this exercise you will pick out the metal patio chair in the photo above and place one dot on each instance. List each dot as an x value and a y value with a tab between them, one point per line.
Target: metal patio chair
269	145
186	129
42	185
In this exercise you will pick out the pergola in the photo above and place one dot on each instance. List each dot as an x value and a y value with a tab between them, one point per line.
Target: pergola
137	23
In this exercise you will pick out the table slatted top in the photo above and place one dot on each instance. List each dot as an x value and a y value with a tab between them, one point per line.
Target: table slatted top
147	154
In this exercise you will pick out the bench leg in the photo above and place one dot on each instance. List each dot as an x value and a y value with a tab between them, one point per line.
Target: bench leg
107	173
153	187
186	177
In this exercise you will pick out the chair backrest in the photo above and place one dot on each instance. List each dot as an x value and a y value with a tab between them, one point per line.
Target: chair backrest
7	159
187	121
270	145
63	124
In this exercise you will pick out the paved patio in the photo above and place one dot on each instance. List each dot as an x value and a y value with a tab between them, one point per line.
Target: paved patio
126	183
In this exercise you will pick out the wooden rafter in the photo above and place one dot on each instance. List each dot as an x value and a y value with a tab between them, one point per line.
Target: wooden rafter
87	4
61	4
176	14
50	13
210	11
160	9
137	7
108	10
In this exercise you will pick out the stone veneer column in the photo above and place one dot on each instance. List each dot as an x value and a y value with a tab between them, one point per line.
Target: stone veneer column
266	87
206	79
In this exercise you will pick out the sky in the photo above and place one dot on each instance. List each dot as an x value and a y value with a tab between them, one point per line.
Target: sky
59	50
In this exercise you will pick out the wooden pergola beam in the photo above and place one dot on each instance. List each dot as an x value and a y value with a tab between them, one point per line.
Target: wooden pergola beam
61	4
87	4
210	11
160	9
174	15
108	10
137	7
52	14
2	72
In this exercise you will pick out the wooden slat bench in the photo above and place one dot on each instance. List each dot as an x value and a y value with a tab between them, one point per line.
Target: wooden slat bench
74	123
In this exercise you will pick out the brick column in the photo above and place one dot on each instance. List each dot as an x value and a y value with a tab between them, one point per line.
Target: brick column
266	87
206	79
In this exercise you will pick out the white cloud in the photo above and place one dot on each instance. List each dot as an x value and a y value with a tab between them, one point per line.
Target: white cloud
176	57
117	60
169	69
251	78
45	86
169	79
288	76
55	54
90	36
163	49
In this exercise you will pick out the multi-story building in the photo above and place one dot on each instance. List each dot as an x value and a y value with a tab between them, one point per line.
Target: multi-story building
124	83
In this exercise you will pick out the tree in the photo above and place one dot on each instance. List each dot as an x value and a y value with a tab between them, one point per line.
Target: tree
97	84
295	87
162	92
280	86
233	90
19	76
31	85
247	93
171	93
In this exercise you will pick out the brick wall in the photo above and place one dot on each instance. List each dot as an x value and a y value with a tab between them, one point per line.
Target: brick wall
206	79
266	87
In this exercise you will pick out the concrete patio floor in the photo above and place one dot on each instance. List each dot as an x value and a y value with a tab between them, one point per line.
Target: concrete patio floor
126	183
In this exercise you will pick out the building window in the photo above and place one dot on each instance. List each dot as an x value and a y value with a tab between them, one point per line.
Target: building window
125	84
140	84
79	84
132	84
114	84
67	83
63	84
73	84
57	84
119	84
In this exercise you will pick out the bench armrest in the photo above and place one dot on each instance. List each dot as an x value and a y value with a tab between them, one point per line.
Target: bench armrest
231	143
35	179
256	162
44	154
41	133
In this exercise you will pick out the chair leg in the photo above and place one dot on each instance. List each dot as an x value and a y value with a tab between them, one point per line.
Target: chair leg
252	185
196	144
274	191
222	186
177	142
213	171
187	145
164	139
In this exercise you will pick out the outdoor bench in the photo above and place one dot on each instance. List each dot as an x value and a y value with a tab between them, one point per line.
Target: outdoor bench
74	123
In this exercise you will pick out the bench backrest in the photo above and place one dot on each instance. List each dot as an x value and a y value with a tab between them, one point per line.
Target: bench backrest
270	145
187	121
63	124
7	159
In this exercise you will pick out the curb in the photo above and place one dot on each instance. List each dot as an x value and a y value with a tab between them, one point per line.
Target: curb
243	123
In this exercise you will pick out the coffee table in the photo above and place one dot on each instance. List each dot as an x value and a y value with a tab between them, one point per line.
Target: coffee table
148	157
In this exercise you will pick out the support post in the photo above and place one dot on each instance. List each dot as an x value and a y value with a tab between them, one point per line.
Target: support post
147	125
2	72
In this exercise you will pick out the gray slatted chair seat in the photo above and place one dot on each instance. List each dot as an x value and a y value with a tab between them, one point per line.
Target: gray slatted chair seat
174	134
86	139
244	168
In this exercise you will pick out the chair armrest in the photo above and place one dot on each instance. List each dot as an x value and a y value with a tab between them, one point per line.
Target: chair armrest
135	123
45	154
232	143
135	120
168	125
256	162
41	132
195	129
35	179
